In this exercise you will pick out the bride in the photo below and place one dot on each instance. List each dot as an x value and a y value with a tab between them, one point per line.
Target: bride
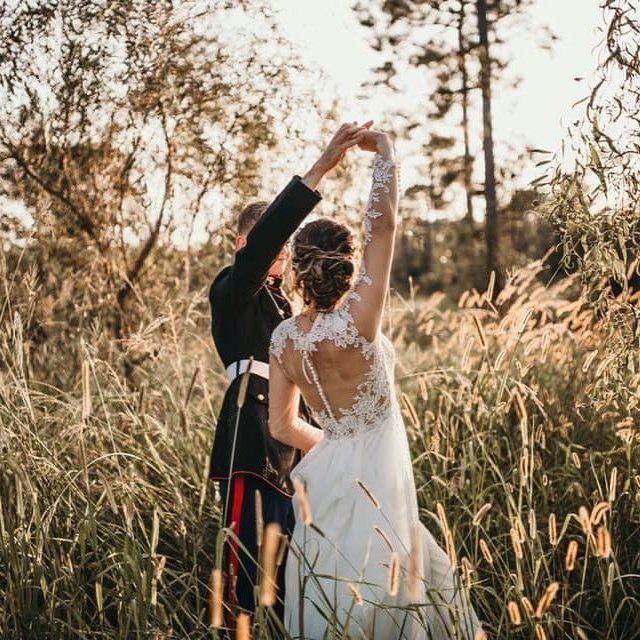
364	566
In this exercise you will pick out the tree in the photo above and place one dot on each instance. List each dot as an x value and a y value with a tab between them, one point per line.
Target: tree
492	236
120	128
464	56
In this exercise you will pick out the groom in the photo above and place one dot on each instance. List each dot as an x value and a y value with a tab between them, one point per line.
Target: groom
247	303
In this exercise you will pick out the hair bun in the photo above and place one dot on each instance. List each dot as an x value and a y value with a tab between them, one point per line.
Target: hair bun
322	262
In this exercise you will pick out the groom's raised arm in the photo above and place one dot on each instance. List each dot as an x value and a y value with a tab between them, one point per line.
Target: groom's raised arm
269	234
283	216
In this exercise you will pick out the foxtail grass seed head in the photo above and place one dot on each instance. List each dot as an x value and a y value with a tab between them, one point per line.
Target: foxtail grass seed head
515	543
282	549
451	548
411	411
303	501
442	516
86	390
490	287
603	542
368	493
527	606
394	574
521	410
484	548
268	584
415	563
384	536
524	466
522	325
519	529
598	512
553	530
161	562
585	521
466	355
613	480
572	554
244	385
547	598
467	571
514	613
355	592
477	519
576	460
215	598
243	627
588	361
533	524
259	518
541	634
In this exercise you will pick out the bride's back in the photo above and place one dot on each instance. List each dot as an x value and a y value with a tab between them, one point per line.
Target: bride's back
341	375
340	371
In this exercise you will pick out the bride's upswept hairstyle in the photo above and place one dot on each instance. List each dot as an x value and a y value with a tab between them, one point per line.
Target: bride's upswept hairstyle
322	261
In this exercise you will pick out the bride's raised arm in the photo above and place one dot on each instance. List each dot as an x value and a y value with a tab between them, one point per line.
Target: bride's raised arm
380	219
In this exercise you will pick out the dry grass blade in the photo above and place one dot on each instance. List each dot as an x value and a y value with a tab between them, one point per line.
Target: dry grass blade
244	385
368	493
393	582
384	536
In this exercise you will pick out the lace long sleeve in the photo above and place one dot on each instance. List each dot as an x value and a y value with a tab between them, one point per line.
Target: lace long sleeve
379	226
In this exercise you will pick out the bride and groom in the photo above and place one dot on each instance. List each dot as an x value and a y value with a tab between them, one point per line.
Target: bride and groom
333	424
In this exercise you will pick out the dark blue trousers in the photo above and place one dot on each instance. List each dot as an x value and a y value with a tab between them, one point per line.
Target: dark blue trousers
241	563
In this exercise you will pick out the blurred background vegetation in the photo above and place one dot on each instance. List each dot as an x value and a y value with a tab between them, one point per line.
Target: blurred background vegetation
131	132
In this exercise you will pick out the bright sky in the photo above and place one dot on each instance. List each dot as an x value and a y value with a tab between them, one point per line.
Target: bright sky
536	113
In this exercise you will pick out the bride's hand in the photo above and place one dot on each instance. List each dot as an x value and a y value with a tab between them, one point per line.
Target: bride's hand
348	135
371	140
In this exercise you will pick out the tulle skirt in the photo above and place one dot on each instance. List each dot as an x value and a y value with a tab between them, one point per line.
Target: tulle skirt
351	569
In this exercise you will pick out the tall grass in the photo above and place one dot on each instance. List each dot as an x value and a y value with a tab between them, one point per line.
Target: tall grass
522	423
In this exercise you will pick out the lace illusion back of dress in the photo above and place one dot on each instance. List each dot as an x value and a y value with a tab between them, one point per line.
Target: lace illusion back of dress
346	379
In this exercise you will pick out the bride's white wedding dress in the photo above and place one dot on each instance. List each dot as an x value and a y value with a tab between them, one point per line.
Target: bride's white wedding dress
348	550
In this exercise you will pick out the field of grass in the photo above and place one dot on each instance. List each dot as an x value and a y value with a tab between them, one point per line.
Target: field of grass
522	419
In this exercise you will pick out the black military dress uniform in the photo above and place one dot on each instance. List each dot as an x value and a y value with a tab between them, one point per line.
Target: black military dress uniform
246	306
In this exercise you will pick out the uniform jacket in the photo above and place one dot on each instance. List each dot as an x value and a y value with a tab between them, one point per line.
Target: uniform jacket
243	316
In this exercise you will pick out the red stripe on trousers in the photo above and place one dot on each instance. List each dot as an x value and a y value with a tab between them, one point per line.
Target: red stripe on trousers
236	513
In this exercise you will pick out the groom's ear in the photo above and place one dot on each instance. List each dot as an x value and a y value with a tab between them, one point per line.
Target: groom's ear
241	241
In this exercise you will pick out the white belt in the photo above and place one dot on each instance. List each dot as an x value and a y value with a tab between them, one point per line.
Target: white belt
239	367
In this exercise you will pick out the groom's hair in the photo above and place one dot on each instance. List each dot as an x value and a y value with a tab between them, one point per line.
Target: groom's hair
250	215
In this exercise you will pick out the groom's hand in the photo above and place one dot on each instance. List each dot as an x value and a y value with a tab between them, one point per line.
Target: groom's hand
348	135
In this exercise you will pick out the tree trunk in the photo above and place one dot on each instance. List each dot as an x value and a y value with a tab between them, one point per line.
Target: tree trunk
467	160
491	219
